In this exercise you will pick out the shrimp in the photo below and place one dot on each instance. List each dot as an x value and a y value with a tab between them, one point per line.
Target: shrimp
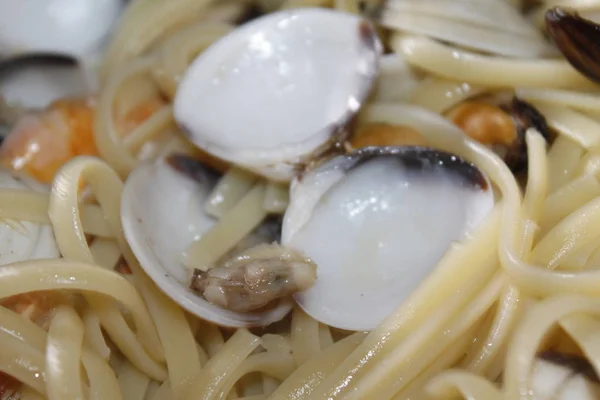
41	142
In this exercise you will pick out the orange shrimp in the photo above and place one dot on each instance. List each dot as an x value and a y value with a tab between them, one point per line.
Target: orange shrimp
42	142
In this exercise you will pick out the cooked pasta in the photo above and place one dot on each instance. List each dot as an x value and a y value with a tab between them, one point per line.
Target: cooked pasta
519	289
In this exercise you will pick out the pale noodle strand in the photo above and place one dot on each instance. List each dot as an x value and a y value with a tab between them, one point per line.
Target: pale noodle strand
325	336
105	252
28	205
415	389
93	333
164	392
576	126
537	176
144	23
107	139
64	213
586	102
276	363
470	386
507	315
530	333
221	367
305	336
480	36
424	345
564	158
439	95
174	332
566	200
159	122
22	329
231	188
23	361
242	219
210	338
132	382
103	382
183	365
452	63
175	55
509	305
63	354
305	378
563	240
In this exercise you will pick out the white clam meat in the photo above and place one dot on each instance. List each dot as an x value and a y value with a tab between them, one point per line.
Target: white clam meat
22	240
74	28
162	214
376	222
279	89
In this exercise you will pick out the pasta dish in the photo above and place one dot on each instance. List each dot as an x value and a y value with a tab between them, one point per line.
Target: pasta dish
309	200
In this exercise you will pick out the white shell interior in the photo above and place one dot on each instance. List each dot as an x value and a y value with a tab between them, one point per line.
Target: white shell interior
375	232
69	27
162	214
21	240
36	85
275	89
550	381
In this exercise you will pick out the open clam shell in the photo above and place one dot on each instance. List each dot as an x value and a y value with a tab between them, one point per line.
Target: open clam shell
74	28
376	222
279	89
162	214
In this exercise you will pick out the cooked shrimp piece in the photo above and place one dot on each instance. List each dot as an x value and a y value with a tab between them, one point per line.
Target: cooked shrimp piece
41	142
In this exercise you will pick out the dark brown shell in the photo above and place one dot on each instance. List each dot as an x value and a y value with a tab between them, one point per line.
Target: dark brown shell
579	365
577	38
524	116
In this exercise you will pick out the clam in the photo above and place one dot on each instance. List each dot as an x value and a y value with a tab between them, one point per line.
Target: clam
23	240
162	214
73	28
48	47
563	376
376	222
279	90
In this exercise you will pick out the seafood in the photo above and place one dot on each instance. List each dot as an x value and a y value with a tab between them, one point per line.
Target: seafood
34	27
41	142
502	128
240	77
388	202
562	376
160	195
255	277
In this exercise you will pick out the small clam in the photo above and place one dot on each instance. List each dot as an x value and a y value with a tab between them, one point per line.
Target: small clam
502	128
376	222
74	28
577	38
280	89
162	213
560	376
